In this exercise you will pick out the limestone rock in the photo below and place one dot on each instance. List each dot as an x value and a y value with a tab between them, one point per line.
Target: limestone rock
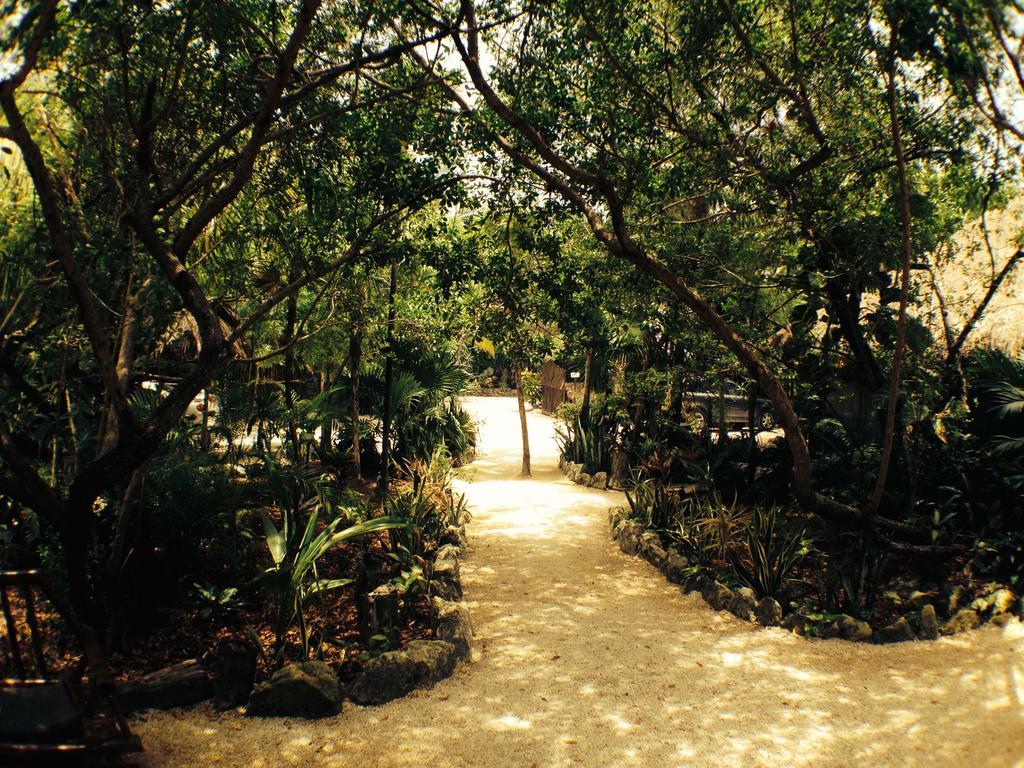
796	622
656	555
446	552
599	480
962	621
743	603
453	626
454	535
234	672
717	595
928	627
651	549
918	599
897	632
956	599
446	571
854	629
583	478
615	517
446	590
396	673
308	689
769	612
1000	601
1002	619
1003	601
649	539
676	567
629	537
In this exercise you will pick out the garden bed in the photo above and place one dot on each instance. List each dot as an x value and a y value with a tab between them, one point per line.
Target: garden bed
905	606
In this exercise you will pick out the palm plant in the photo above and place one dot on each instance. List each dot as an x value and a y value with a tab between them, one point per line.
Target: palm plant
1007	406
292	578
424	406
296	547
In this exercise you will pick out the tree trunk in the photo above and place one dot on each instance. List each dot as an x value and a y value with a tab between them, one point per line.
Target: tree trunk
846	308
76	542
355	352
130	503
522	421
289	373
588	364
389	374
326	422
901	321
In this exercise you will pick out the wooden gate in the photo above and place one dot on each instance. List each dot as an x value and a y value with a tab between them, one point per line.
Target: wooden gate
552	378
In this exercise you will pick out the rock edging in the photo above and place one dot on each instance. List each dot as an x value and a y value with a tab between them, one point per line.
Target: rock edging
578	475
422	663
742	603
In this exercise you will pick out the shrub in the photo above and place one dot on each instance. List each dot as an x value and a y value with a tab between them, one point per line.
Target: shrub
771	551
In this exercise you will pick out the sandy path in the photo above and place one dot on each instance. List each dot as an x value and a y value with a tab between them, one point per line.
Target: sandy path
588	657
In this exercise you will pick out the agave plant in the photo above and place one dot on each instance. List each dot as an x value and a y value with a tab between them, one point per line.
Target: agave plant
583	442
771	551
719	524
652	503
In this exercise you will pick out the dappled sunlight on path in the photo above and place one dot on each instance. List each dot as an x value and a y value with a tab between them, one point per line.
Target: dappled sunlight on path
586	657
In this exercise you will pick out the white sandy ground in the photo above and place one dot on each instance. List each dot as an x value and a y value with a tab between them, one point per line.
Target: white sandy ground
587	657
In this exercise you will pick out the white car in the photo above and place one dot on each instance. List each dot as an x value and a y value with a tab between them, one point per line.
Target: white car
204	402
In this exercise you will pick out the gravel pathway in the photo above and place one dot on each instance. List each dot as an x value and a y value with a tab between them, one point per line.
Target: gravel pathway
587	657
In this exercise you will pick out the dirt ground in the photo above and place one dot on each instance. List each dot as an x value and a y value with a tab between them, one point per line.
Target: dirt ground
587	657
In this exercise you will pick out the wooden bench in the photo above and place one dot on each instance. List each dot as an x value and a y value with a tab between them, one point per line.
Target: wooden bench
46	716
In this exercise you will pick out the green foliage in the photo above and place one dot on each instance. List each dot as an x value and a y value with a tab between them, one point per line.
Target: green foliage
425	409
292	578
214	602
651	503
295	548
584	442
427	503
772	552
720	525
532	388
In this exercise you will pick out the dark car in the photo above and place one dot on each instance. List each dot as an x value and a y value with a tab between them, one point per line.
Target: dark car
706	408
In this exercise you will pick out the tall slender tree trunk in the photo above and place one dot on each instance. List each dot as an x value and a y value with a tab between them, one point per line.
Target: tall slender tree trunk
901	320
289	373
845	307
522	420
126	515
355	354
588	364
389	374
326	423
